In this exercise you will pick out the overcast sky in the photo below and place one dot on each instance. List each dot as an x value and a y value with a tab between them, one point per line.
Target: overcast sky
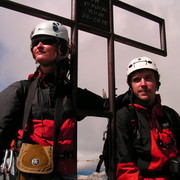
17	62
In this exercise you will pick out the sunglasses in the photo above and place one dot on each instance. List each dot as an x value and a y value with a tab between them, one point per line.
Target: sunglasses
43	40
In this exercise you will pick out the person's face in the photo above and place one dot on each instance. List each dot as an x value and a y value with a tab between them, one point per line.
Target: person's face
44	52
144	85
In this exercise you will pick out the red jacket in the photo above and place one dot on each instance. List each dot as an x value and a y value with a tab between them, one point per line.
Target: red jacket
41	132
144	151
39	128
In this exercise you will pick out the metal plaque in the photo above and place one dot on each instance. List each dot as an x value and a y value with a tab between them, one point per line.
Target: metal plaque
94	13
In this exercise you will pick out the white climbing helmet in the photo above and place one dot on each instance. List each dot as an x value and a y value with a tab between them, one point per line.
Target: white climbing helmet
141	63
50	28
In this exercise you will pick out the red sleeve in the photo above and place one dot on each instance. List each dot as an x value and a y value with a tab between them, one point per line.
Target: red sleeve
128	171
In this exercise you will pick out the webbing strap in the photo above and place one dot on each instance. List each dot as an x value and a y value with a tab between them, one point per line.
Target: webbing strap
29	100
58	116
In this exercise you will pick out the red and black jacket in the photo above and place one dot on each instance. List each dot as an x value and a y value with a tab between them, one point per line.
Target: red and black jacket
41	125
146	143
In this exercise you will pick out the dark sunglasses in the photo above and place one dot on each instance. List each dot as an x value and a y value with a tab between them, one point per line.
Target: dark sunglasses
43	40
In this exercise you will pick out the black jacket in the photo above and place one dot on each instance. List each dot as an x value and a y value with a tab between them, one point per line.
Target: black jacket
135	139
12	102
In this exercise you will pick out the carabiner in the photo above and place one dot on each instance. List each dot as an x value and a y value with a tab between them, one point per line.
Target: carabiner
4	168
10	160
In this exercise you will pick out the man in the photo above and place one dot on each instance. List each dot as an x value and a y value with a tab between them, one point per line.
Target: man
50	49
147	139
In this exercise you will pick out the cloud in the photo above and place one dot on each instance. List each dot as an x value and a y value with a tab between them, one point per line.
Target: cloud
62	8
3	50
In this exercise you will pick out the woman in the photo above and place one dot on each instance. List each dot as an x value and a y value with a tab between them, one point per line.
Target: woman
50	49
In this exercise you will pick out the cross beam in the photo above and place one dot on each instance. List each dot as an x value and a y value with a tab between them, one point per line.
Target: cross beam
96	17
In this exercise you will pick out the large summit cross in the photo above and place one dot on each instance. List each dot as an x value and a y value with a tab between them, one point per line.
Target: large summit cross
96	17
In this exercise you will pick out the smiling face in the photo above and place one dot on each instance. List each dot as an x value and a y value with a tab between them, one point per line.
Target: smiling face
144	85
44	50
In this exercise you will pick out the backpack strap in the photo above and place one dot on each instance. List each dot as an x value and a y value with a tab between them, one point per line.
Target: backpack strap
101	160
58	117
174	121
29	100
105	148
168	112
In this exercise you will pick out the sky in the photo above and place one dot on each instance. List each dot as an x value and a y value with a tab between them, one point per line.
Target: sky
17	62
